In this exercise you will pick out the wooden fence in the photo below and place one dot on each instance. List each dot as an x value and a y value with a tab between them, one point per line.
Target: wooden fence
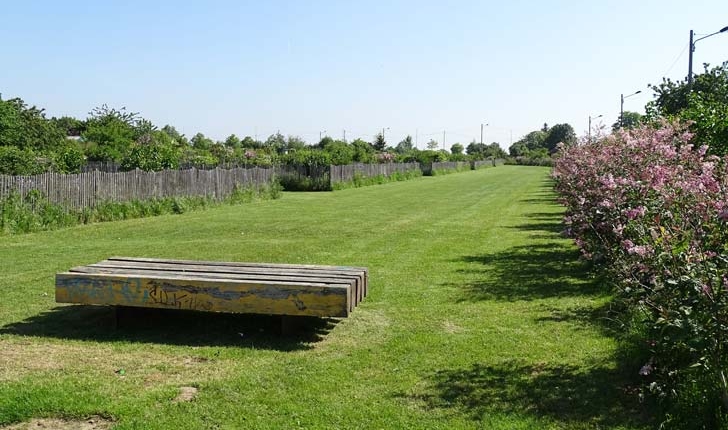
478	164
90	188
346	173
429	169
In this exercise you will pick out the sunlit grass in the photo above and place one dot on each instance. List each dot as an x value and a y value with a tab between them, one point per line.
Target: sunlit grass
479	316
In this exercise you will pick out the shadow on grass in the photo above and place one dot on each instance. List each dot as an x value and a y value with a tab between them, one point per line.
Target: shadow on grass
174	327
528	273
592	398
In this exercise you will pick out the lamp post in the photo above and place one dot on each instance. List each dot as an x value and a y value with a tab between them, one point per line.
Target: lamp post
621	107
321	134
692	49
590	120
481	131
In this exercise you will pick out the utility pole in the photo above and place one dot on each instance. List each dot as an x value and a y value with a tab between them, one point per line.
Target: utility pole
481	131
692	49
443	139
417	137
621	107
690	61
344	135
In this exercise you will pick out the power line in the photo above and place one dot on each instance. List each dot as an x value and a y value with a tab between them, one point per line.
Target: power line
676	59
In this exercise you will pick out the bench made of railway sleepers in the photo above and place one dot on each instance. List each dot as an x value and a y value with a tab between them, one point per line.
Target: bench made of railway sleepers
256	288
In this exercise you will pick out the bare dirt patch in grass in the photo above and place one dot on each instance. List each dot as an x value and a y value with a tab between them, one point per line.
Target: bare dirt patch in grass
186	394
91	423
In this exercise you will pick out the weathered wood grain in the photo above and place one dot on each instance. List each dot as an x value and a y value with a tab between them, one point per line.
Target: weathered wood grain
238	287
91	188
361	272
205	294
200	273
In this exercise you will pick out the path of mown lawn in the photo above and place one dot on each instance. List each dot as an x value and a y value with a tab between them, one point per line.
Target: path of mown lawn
479	316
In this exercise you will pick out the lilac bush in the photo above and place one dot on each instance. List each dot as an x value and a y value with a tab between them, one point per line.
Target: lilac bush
651	209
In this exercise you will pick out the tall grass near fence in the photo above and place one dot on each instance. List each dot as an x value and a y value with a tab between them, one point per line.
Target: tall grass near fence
33	212
359	180
445	167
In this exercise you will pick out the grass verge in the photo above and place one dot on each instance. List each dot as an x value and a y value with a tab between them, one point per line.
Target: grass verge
480	316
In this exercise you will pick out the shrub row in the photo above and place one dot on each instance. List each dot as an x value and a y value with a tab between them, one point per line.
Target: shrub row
651	209
363	181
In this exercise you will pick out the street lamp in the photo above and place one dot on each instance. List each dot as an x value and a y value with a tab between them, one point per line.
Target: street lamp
692	49
621	107
321	134
481	131
590	120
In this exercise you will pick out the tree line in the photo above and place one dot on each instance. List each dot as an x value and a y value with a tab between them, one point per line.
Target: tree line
31	143
703	105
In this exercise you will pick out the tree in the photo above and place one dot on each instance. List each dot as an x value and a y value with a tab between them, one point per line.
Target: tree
325	141
705	105
275	142
249	142
27	127
110	133
340	152
379	143
69	125
232	141
179	139
630	120
363	151
405	145
294	143
494	150
475	149
200	142
560	133
69	158
518	149
457	149
16	161
432	144
535	139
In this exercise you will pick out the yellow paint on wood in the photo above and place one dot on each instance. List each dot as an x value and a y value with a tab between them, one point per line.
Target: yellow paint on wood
215	295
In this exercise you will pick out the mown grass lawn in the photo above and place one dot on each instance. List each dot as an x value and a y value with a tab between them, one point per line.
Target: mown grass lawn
479	316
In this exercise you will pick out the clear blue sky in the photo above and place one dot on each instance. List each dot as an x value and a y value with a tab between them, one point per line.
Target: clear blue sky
416	67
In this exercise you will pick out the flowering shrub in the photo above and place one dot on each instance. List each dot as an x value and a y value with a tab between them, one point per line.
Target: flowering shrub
385	157
652	210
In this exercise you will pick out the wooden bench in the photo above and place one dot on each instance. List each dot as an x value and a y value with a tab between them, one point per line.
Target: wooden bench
257	288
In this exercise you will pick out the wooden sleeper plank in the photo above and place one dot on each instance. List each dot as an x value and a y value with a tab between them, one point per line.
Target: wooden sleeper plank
216	295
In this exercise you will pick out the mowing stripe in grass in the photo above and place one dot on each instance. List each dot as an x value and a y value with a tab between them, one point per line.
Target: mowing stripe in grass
479	315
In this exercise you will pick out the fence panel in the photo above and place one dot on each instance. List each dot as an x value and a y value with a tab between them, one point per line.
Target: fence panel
90	188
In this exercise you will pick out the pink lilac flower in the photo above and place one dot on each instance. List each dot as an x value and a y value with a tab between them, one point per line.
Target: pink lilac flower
636	212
